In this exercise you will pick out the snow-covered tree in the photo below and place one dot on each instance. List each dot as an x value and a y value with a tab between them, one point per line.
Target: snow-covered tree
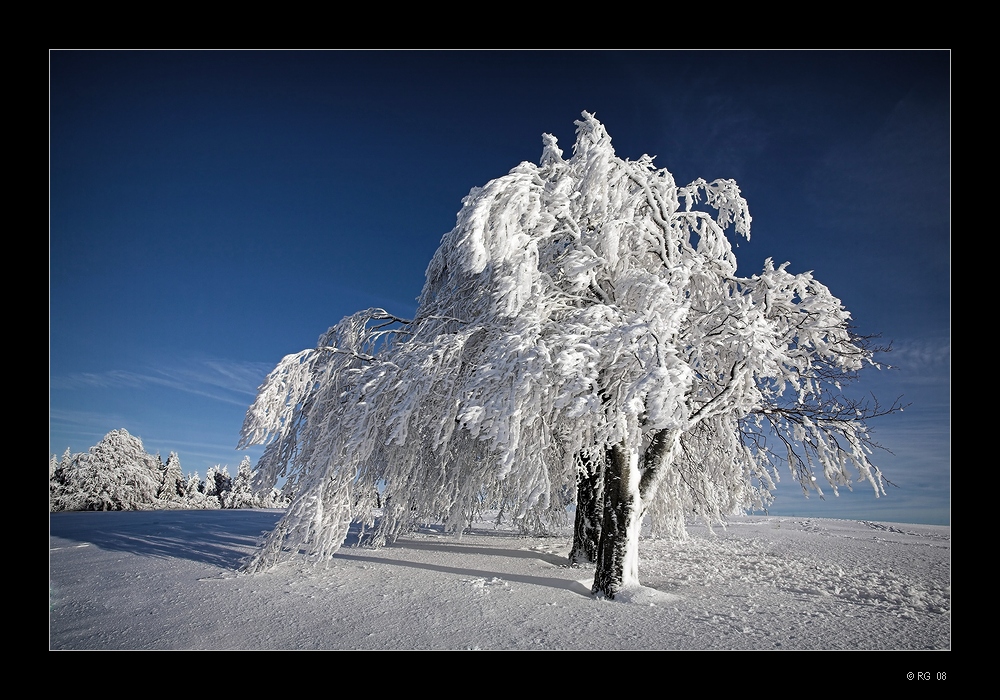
58	480
210	481
118	474
582	335
115	474
194	492
193	485
217	486
173	485
241	494
273	498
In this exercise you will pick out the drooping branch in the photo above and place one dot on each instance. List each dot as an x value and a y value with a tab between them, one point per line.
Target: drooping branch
828	434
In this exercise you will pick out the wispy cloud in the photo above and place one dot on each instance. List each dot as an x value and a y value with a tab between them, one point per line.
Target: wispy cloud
920	355
219	380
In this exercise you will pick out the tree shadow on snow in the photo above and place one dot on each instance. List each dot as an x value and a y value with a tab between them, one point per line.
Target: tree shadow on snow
350	553
457	547
220	538
547	581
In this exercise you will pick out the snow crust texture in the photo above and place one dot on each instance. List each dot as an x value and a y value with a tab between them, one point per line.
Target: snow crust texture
164	580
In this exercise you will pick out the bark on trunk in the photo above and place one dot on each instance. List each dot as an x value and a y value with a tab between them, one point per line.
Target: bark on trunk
617	553
589	511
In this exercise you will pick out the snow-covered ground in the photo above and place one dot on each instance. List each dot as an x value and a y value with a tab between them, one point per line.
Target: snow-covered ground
166	580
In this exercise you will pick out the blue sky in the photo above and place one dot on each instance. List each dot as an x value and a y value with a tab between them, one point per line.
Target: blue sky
211	212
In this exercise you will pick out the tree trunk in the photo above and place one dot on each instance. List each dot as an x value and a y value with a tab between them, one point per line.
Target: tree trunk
618	550
589	511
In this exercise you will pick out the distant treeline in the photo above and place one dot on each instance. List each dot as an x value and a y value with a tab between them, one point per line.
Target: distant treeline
118	474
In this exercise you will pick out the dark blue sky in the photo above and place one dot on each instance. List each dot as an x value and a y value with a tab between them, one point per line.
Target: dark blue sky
211	212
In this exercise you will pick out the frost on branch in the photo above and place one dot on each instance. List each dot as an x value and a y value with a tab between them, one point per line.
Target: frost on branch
583	336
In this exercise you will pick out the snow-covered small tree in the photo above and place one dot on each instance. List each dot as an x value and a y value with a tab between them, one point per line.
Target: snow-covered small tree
223	485
210	481
193	485
582	330
217	484
273	498
58	480
241	493
173	487
194	492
